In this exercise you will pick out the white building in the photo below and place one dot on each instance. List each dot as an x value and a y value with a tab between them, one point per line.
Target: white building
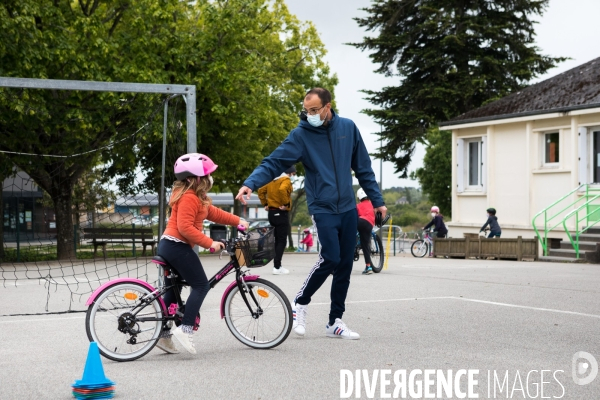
524	152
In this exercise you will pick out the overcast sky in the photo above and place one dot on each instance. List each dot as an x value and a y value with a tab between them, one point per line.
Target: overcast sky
569	28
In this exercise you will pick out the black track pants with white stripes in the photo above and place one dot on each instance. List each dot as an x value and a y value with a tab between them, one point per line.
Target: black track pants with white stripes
337	236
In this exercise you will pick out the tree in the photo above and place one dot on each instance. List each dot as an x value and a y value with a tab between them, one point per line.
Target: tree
450	57
250	60
82	40
436	180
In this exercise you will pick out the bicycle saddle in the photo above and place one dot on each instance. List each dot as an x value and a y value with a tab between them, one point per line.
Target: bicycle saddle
168	269
159	260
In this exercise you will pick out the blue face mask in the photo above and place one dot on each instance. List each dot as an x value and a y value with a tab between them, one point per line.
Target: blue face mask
315	120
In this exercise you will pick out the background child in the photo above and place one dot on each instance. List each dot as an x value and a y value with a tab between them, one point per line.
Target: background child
437	221
308	239
366	220
492	221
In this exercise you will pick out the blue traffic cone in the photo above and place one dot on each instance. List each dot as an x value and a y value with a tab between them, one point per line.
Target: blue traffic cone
93	374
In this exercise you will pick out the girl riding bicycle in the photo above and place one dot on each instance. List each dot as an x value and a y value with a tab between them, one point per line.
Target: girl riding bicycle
189	207
366	220
437	220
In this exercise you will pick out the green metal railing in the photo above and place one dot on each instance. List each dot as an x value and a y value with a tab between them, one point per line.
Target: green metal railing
590	222
575	207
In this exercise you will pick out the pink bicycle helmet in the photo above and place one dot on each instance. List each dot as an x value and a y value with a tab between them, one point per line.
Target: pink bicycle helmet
306	230
435	209
193	164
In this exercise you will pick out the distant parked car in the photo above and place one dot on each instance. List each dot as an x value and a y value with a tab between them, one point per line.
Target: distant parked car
140	221
259	224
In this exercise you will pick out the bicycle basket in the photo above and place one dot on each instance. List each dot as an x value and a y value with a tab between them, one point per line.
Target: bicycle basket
257	249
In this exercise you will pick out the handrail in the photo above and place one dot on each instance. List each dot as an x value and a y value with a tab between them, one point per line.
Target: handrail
575	243
544	240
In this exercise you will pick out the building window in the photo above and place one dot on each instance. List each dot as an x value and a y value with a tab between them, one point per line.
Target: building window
474	163
551	148
471	163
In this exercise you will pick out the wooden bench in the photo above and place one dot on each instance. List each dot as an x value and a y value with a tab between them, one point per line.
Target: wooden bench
104	236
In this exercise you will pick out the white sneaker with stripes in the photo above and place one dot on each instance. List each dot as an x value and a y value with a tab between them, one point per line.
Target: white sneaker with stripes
340	330
299	312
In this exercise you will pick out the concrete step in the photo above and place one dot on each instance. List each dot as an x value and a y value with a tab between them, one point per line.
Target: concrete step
561	259
589	237
565	244
594	231
566	253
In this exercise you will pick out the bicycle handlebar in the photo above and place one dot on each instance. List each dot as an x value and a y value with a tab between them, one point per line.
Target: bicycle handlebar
240	228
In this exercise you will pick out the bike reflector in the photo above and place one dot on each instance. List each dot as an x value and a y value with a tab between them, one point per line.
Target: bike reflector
262	293
130	296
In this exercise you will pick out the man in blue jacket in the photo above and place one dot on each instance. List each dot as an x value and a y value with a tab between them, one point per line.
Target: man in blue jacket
329	147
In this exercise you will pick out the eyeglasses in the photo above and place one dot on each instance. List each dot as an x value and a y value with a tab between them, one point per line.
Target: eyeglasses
313	111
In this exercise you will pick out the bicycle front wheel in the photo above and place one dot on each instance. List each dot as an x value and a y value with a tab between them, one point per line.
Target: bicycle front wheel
419	248
268	321
377	253
112	322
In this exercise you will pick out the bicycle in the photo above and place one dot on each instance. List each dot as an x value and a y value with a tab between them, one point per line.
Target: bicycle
376	247
420	247
127	316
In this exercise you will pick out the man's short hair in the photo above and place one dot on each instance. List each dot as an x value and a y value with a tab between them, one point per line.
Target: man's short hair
324	95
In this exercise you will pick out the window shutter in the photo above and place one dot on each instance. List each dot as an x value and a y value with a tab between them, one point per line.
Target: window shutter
460	165
483	164
583	151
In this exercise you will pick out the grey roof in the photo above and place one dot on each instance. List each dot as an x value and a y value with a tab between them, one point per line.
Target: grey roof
577	88
226	199
138	200
218	199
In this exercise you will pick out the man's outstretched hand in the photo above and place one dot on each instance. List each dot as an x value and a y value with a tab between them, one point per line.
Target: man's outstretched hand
244	191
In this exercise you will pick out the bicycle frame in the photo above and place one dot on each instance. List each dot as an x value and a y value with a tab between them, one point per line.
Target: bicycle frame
373	235
240	281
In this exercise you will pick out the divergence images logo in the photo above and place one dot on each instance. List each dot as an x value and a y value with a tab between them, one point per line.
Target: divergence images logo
584	364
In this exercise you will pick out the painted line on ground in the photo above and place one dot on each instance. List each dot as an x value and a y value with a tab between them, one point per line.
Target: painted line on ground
528	307
495	303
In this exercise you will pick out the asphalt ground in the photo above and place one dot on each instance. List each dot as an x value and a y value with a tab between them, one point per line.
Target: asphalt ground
509	320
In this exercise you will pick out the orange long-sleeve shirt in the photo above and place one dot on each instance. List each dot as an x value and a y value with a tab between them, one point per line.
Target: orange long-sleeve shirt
188	215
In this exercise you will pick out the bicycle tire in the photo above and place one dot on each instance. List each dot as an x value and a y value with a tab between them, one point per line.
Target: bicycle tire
377	254
112	343
256	332
419	248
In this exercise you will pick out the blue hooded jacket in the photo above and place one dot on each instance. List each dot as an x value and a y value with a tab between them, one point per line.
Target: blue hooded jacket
328	154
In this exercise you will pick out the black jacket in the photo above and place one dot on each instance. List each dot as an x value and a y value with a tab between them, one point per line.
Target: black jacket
492	221
438	222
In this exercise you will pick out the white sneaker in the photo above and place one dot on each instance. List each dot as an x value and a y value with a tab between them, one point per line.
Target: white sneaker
340	330
186	340
280	271
167	345
299	312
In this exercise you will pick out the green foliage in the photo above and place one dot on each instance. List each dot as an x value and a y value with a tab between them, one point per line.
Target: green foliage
299	214
450	57
250	60
435	176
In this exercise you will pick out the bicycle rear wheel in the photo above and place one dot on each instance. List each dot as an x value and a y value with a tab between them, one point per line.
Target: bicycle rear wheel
110	322
269	323
377	253
419	248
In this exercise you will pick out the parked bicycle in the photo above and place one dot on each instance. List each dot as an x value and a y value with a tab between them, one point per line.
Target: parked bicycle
376	247
127	316
421	247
